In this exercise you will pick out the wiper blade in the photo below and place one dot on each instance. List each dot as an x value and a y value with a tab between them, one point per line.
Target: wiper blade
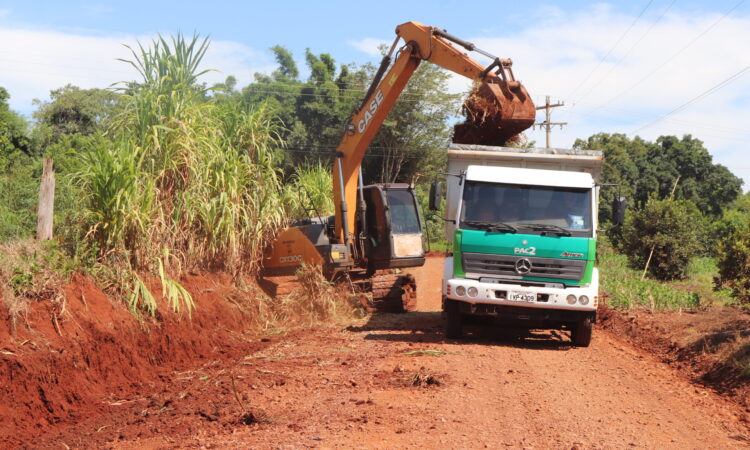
493	226
544	227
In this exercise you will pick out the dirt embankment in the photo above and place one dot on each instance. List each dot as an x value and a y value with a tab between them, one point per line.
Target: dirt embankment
63	362
711	347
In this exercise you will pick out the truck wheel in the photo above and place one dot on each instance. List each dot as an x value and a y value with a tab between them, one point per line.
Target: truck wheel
453	326
581	332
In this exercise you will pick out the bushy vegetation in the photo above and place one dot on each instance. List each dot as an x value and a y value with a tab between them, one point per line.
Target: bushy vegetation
732	234
667	232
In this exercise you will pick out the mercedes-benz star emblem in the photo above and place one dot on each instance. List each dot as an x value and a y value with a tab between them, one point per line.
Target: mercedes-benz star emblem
523	266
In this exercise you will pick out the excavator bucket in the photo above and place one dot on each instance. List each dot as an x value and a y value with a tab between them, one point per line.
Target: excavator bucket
496	111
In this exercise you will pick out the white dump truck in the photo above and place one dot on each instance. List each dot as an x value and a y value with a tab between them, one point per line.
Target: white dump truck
523	225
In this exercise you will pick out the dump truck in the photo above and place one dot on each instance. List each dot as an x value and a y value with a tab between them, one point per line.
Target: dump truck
523	227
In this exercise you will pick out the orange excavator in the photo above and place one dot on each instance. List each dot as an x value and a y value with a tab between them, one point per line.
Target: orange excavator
379	228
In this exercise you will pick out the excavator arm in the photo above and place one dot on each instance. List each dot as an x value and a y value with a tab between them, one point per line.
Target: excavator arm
498	109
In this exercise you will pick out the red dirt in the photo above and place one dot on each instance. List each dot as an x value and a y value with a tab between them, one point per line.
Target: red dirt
388	381
66	363
701	344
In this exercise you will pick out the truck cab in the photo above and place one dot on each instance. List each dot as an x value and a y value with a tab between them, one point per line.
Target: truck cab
524	239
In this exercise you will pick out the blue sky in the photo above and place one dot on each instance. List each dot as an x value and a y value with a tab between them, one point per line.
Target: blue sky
619	66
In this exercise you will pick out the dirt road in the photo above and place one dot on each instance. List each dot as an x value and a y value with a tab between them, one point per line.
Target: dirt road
394	382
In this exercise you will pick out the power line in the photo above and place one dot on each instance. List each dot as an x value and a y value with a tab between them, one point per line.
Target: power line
618	112
611	49
671	58
627	53
698	97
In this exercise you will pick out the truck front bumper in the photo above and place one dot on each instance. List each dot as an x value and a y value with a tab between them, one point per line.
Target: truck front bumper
512	295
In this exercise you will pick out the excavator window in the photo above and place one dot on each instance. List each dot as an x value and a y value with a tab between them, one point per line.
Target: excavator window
403	209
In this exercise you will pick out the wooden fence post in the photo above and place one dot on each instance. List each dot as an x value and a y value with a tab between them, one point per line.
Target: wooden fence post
46	209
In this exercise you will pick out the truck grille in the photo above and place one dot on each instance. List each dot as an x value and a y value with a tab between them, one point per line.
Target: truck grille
555	268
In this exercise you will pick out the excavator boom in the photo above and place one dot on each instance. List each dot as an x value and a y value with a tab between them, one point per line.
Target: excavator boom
498	108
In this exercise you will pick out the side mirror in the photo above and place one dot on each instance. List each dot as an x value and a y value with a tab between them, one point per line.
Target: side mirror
436	195
618	211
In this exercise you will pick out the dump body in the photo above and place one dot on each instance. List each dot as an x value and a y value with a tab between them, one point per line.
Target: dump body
523	226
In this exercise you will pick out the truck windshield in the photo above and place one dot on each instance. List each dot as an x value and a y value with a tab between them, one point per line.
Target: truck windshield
544	210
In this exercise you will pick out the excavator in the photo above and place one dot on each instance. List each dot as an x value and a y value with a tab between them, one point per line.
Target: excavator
378	229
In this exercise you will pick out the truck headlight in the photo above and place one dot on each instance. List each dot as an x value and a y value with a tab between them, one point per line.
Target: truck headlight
460	290
584	300
571	299
472	291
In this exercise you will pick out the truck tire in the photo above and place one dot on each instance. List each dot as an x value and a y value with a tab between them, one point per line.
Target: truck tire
453	325
581	332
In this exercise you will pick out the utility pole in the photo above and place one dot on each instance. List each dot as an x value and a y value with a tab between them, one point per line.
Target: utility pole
547	124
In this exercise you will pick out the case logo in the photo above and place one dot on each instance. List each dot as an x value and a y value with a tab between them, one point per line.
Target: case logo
370	111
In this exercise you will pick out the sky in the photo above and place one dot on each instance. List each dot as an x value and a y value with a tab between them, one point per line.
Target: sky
639	67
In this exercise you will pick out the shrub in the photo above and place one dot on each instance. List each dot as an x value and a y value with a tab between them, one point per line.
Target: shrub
734	263
671	228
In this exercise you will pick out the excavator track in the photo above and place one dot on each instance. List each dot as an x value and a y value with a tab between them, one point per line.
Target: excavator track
389	292
383	292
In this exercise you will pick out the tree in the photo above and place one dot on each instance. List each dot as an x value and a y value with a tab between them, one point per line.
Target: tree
671	229
315	113
413	140
74	110
13	128
643	168
18	177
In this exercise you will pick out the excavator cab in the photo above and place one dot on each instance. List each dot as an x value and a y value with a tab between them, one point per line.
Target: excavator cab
393	234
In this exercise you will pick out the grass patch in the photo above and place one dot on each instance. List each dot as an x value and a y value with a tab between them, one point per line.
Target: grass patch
625	288
32	271
426	353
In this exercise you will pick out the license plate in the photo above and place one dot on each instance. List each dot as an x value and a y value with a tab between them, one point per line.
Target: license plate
522	296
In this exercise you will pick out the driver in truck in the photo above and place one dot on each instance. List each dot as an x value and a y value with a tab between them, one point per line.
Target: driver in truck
574	210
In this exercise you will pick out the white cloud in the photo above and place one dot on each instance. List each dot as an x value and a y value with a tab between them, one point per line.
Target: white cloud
369	45
559	55
36	62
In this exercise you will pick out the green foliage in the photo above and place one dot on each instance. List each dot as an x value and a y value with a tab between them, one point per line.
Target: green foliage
310	191
671	228
413	140
72	110
13	129
180	182
19	191
625	289
643	169
411	143
734	263
433	220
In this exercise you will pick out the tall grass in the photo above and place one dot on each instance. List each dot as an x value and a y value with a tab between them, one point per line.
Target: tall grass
310	191
179	182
